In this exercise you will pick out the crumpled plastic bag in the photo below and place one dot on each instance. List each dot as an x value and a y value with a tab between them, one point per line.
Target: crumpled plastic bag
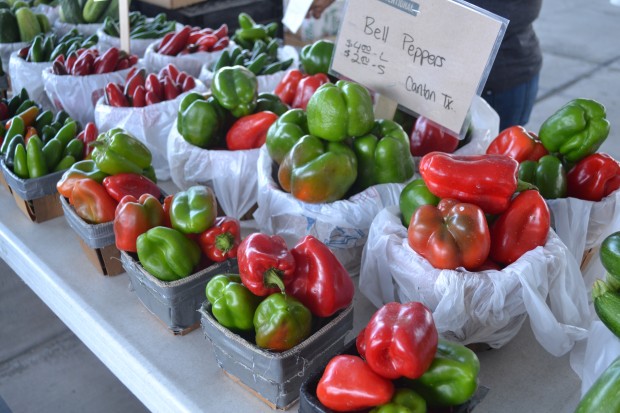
583	225
150	124
231	174
29	75
190	63
52	13
61	28
6	50
78	95
266	83
341	225
480	307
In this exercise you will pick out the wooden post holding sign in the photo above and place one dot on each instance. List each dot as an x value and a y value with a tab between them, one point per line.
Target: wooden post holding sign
430	56
123	22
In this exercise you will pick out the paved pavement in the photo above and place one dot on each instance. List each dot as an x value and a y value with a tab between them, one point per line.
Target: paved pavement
44	367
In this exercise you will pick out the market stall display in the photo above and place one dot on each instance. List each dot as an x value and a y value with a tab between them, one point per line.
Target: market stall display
19	27
86	16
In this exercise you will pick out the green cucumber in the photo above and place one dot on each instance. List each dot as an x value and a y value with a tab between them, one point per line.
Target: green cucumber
607	306
28	24
603	395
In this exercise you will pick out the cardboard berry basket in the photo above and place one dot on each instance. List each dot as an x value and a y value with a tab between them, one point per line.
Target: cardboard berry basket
276	377
480	307
175	303
37	198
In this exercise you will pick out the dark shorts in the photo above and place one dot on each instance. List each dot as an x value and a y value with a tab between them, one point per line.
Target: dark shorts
513	105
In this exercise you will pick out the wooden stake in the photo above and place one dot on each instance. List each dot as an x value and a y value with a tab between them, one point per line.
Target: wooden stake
123	18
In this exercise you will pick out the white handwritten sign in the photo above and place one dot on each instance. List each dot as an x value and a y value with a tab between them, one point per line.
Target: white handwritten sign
430	56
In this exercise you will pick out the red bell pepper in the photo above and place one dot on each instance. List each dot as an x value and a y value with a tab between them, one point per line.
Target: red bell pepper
360	343
250	132
427	136
522	227
519	144
221	241
167	204
306	88
134	217
488	181
401	340
594	177
287	87
120	185
450	235
92	202
265	263
349	384
321	283
176	43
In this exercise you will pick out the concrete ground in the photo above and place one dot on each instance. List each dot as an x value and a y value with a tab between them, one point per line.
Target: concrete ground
44	367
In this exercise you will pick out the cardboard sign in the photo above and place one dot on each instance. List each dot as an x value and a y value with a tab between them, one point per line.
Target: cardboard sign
430	56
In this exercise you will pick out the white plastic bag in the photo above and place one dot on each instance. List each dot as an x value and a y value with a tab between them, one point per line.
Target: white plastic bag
190	63
583	225
341	225
78	95
266	83
6	50
52	13
29	75
231	174
480	307
61	28
150	124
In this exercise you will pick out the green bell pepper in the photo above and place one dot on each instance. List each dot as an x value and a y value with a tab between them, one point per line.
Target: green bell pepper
193	210
316	57
236	89
317	171
270	102
167	254
452	378
285	132
403	401
576	130
338	111
603	395
232	304
414	195
201	121
548	174
281	322
383	155
610	258
117	152
35	158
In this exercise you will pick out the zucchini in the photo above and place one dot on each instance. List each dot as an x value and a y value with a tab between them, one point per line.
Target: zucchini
603	395
71	11
607	306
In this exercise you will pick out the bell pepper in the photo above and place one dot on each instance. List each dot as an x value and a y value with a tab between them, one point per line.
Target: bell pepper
79	170
92	202
316	57
271	103
317	171
265	263
120	185
281	322
321	282
401	340
414	195
201	121
452	377
288	86
116	152
576	130
250	131
427	136
610	257
134	217
382	155
236	89
450	235
602	397
285	132
35	158
194	210
221	241
548	175
517	143
349	384
594	177
338	111
232	304
522	227
306	88
488	181
167	254
404	401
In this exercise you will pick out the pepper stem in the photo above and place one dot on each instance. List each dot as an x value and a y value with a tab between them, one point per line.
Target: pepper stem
599	288
524	186
224	242
273	277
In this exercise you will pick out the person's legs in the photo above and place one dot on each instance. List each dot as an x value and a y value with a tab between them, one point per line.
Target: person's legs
513	106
